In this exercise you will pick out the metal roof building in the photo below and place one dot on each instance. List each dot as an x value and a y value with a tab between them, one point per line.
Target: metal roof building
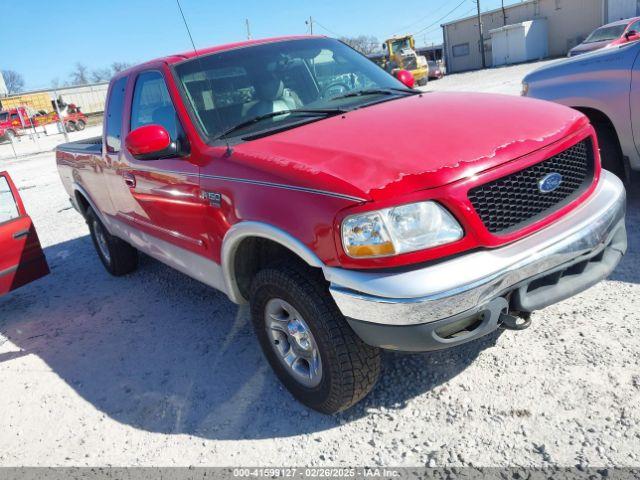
568	24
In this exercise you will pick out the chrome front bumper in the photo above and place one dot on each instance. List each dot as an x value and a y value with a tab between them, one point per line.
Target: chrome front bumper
469	283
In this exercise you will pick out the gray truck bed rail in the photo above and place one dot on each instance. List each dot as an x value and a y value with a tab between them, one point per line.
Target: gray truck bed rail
88	145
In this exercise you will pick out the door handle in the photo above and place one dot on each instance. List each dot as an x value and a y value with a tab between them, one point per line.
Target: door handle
129	179
20	234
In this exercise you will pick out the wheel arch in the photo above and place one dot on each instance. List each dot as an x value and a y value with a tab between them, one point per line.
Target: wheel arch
83	202
248	246
598	117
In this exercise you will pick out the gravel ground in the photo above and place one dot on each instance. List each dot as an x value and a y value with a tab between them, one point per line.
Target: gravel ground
505	80
157	369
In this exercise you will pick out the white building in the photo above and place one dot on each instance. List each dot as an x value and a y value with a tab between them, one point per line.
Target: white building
568	22
3	86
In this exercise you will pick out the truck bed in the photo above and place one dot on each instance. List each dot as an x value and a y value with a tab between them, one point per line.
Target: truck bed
88	146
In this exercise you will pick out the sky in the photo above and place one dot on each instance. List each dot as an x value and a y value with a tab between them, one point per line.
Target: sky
99	32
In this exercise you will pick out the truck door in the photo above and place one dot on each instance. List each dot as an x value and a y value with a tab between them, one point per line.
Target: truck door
160	197
21	257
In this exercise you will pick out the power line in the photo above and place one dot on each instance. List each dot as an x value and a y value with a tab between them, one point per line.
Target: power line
327	29
441	18
473	9
421	19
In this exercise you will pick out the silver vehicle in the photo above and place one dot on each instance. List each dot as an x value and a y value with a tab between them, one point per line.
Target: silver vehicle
605	86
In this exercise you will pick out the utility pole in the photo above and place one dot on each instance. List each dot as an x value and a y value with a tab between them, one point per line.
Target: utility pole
484	60
248	29
504	15
310	24
60	119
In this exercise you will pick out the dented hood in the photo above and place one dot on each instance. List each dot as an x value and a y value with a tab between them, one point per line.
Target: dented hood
410	144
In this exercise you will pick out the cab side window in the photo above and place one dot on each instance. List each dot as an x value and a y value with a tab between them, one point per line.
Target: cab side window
152	104
8	206
114	115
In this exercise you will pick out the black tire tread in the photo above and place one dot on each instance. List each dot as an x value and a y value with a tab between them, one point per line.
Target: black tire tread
124	258
610	151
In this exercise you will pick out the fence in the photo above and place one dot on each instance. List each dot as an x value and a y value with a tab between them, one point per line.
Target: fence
24	133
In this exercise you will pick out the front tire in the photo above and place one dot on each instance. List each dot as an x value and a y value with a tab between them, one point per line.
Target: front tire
117	256
307	341
80	124
610	151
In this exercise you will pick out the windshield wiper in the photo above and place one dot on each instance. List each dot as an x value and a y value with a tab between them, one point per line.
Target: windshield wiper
298	111
376	91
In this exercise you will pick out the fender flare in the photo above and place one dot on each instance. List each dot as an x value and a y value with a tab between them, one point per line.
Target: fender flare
77	188
240	231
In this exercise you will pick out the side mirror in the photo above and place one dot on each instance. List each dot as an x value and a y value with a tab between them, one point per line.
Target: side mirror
149	142
406	77
630	35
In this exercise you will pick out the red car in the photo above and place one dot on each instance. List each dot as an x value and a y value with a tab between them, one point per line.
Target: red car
615	33
21	257
352	213
435	70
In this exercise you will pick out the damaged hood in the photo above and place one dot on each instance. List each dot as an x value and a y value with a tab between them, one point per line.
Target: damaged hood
411	143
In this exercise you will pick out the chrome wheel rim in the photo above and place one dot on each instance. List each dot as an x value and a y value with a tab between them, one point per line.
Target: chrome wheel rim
101	240
293	343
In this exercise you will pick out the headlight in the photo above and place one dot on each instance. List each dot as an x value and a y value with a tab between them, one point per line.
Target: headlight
403	229
525	89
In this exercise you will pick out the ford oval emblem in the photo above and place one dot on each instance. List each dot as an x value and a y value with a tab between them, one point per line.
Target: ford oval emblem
549	183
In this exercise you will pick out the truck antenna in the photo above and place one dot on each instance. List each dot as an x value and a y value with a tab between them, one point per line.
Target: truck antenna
193	44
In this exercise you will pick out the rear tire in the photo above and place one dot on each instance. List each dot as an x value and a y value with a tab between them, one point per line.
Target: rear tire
610	151
80	124
423	82
117	256
348	368
11	135
70	126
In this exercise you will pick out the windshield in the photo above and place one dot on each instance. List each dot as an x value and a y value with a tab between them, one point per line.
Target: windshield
229	88
3	117
606	33
398	45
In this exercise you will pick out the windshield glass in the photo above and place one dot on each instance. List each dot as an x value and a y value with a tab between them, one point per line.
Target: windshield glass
228	88
3	117
398	45
606	33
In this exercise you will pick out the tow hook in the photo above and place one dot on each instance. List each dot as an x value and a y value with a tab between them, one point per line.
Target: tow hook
511	322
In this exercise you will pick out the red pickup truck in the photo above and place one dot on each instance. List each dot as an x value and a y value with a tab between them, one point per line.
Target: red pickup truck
352	213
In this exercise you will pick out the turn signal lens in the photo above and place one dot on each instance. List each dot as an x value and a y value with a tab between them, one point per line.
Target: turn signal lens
366	235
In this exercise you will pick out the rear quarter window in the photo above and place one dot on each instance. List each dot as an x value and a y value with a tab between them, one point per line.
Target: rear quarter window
114	115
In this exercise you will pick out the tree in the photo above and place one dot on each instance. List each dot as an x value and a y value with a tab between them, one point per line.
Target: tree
79	75
365	45
119	66
101	75
14	81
